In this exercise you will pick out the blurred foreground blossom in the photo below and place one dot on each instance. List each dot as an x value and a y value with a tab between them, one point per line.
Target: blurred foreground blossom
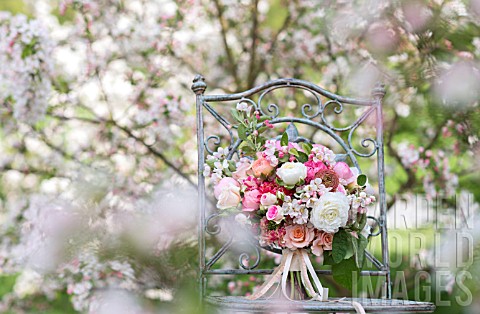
27	66
459	85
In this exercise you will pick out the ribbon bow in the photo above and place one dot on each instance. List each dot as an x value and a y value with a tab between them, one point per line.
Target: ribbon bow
298	260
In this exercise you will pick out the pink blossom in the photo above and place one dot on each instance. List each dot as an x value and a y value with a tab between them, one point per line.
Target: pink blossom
251	200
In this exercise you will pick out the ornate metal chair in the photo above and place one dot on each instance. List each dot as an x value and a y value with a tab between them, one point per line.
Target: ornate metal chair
316	117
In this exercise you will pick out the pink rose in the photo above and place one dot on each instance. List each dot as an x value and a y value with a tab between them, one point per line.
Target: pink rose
227	192
268	199
344	172
251	200
261	166
243	168
298	236
274	213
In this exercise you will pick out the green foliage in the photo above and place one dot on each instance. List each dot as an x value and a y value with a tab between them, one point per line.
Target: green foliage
284	139
345	272
341	242
362	180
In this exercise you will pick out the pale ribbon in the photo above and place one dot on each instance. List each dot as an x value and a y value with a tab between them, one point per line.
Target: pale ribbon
298	260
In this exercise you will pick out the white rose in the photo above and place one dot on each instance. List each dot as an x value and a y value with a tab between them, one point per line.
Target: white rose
227	192
330	212
268	199
292	172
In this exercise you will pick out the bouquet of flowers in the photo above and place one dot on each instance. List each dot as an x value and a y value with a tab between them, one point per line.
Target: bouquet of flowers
297	198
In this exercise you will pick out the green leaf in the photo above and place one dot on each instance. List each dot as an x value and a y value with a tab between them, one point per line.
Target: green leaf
344	272
248	151
362	180
362	221
242	132
341	243
232	166
284	140
293	152
302	157
236	115
262	129
307	147
263	118
362	245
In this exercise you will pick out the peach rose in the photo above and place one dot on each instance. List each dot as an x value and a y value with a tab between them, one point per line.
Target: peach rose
261	166
323	242
317	247
327	240
298	236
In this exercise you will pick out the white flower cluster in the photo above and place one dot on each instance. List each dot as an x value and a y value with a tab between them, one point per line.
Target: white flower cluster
322	153
220	164
270	148
361	201
296	209
305	198
25	56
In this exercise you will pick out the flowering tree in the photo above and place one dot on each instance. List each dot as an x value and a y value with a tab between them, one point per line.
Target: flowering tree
97	116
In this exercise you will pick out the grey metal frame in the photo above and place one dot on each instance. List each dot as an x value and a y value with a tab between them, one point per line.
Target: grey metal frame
309	113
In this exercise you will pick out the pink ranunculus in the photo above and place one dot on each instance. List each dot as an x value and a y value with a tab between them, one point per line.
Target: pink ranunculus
298	236
312	169
243	169
344	172
261	166
251	200
227	192
268	199
274	213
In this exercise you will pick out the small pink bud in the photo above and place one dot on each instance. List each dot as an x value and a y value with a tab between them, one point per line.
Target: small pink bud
255	133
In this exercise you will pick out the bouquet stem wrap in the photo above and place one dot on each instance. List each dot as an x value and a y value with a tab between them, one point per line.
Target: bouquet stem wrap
298	260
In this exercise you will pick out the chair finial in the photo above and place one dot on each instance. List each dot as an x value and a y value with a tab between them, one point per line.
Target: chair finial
199	86
378	90
292	132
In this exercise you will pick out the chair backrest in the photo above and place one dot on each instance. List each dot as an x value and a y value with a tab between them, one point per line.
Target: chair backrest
316	117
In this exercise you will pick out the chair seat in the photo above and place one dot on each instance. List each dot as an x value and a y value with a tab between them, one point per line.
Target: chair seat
333	305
